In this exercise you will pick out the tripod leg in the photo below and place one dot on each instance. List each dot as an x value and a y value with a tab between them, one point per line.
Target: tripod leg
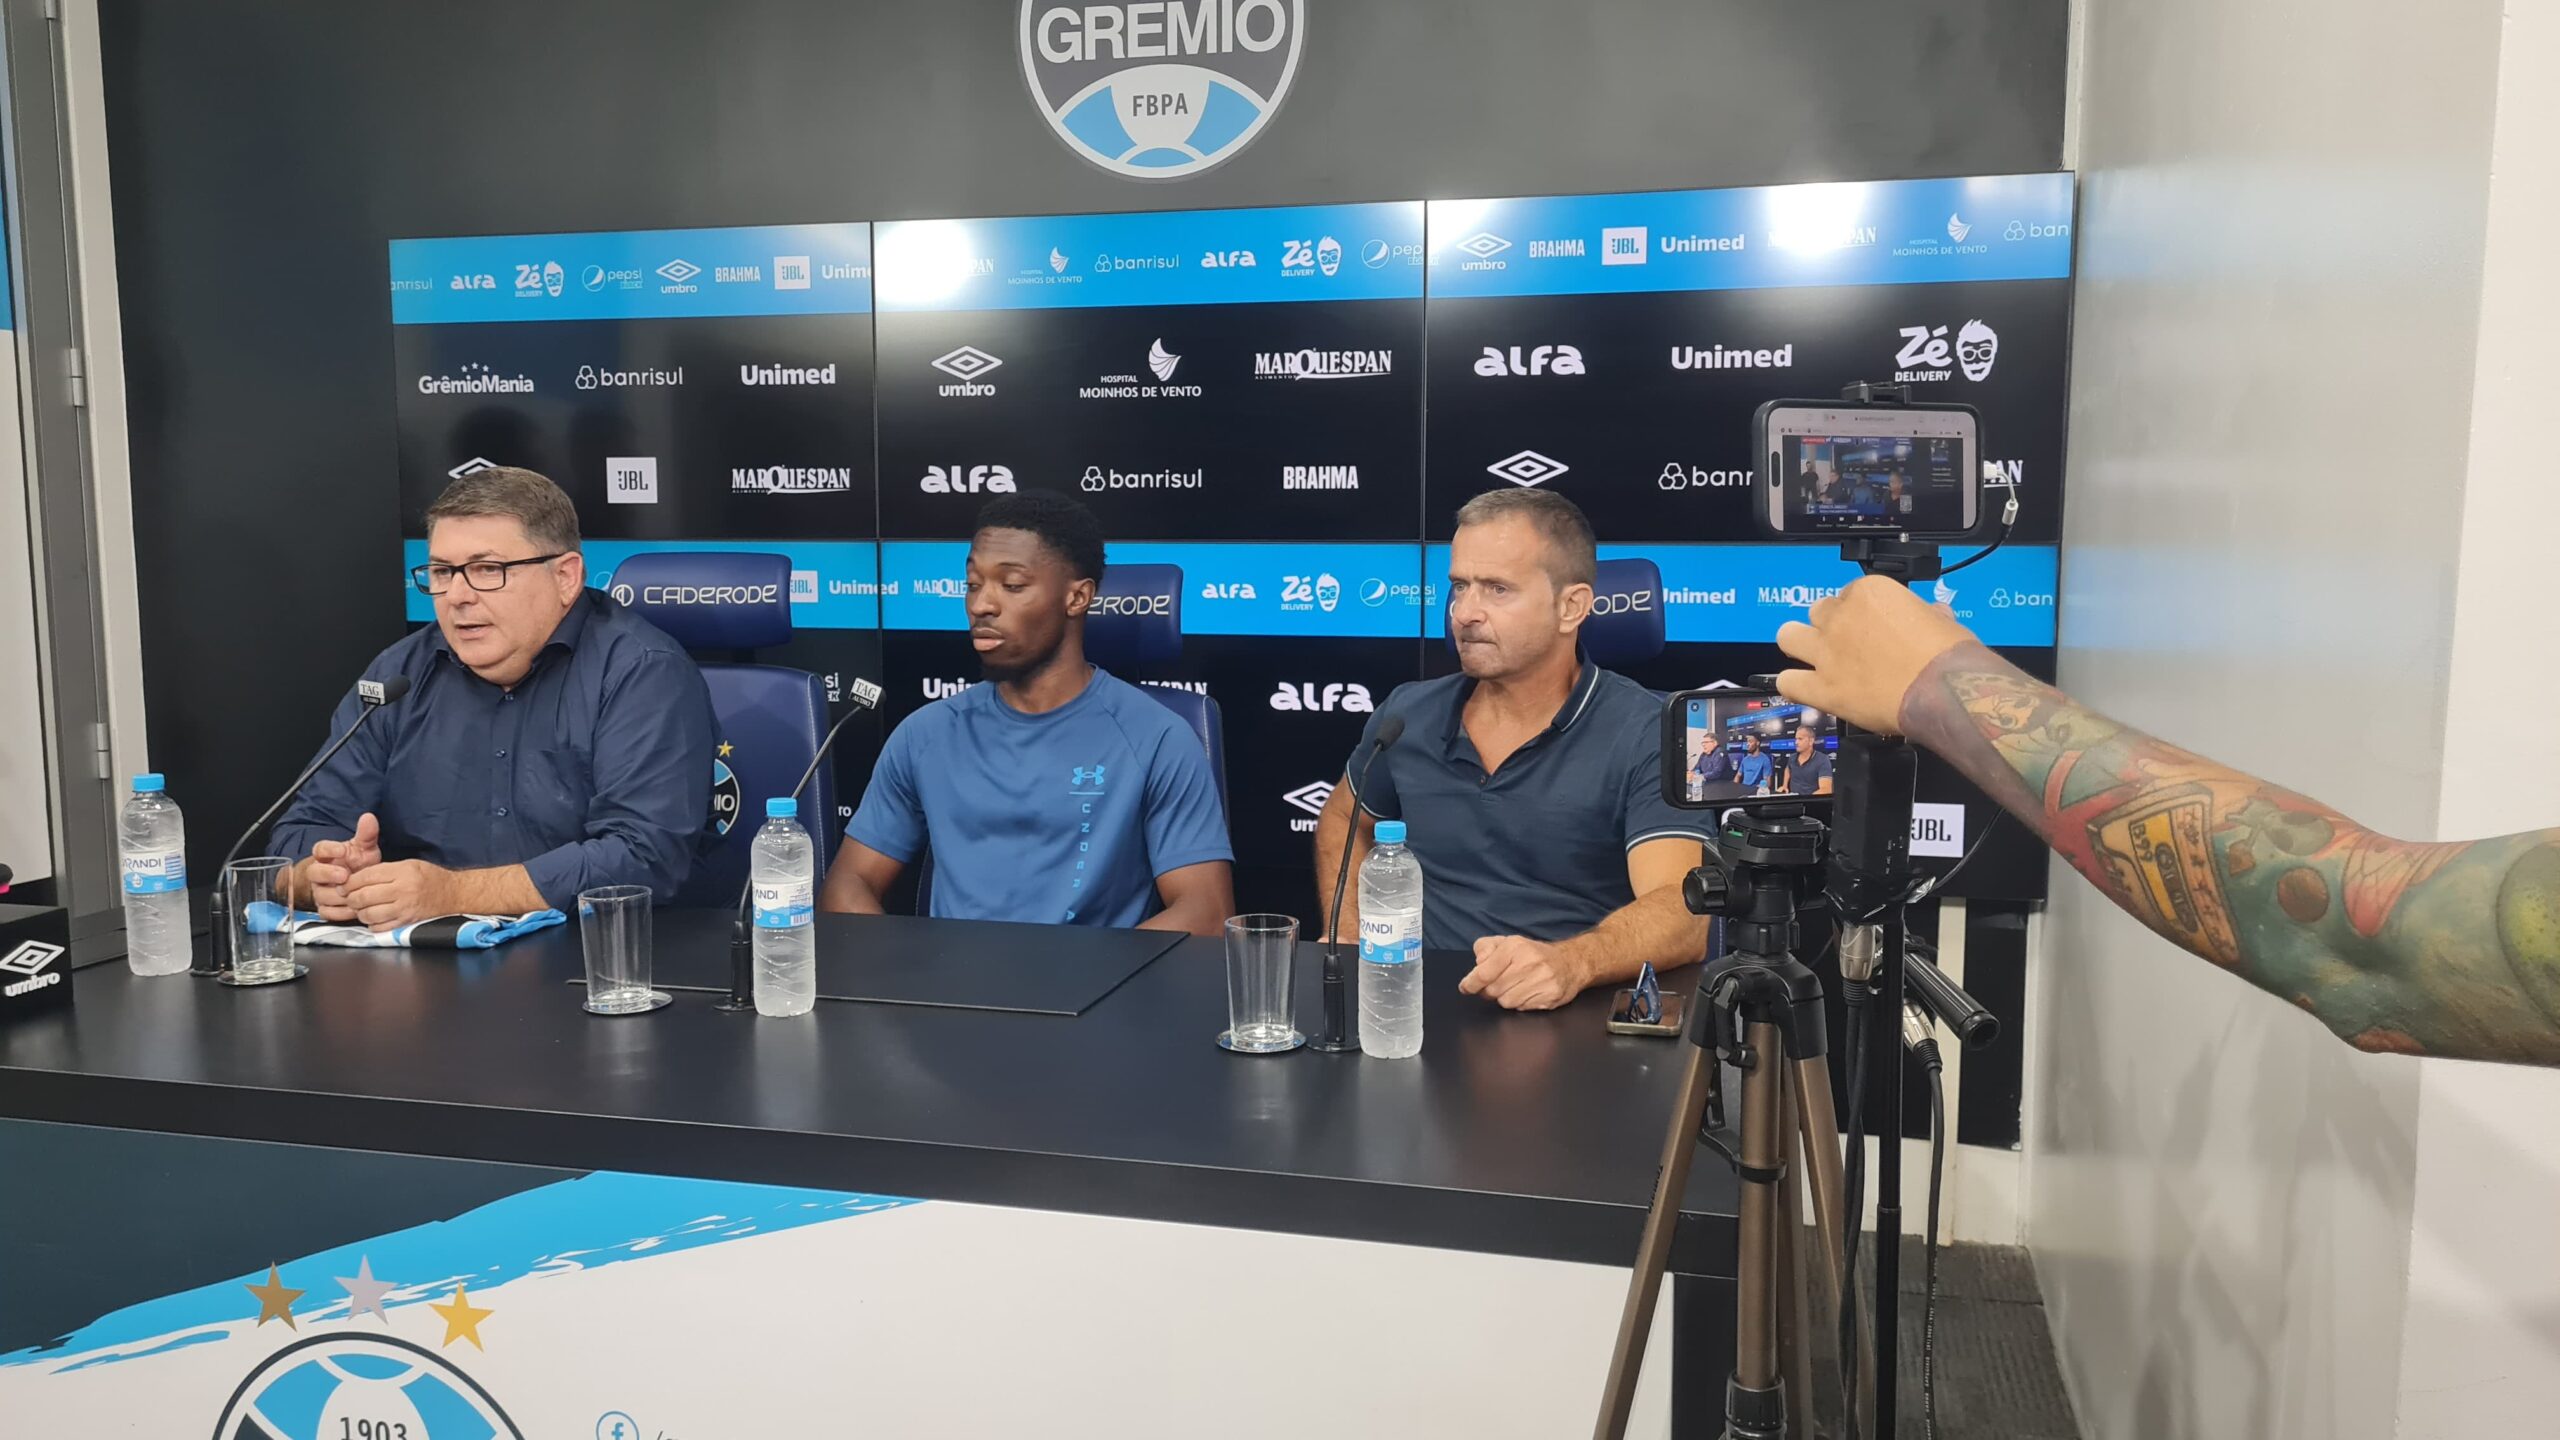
1797	1265
1653	1253
1820	1127
1756	1402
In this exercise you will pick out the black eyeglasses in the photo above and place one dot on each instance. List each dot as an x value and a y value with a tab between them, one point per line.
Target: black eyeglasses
479	574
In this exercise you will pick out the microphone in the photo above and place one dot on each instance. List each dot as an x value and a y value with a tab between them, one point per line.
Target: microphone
373	695
1337	1019
1945	1001
742	947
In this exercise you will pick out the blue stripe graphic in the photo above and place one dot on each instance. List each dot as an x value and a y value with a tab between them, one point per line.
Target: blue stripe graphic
834	583
1903	232
601	1219
1227	589
1741	594
1191	257
633	274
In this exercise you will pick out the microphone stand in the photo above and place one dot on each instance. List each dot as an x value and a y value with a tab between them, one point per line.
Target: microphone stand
217	958
742	946
1337	1038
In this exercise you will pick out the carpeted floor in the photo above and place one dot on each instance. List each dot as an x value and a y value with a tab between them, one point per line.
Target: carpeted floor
1996	1374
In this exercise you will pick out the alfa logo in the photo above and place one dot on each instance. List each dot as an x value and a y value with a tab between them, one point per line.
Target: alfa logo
309	1389
1160	91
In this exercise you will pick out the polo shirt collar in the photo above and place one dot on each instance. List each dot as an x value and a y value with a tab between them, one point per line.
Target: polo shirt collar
1576	701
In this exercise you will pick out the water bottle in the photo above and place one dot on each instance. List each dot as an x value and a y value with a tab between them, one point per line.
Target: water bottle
153	838
782	867
1391	947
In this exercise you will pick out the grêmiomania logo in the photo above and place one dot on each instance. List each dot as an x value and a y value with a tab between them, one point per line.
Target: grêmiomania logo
1159	89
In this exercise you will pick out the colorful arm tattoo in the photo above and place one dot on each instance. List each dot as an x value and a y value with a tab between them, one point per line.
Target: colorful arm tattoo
2432	949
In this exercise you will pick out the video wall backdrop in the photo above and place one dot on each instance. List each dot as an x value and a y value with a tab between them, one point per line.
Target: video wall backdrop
1287	405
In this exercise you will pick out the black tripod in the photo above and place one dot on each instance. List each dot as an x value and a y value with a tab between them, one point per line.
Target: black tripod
1758	1008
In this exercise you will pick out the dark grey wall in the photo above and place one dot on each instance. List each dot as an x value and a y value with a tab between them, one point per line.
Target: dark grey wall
264	152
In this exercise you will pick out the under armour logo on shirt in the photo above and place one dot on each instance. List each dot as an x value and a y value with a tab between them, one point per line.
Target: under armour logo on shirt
1086	775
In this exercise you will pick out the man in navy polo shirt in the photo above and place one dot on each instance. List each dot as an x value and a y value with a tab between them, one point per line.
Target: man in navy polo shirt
1055	793
1531	783
551	741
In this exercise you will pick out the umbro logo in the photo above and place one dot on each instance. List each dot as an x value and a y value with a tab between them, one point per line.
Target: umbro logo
1527	468
31	957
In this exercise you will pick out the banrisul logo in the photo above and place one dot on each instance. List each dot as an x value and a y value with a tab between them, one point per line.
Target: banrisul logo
1160	89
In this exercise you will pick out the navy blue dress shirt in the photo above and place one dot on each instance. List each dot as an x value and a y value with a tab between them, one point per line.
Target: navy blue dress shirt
594	770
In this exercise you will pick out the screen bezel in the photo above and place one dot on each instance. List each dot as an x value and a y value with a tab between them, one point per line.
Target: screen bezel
1675	755
1779	419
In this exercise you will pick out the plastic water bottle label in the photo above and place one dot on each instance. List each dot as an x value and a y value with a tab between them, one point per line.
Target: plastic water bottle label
156	872
784	906
1390	941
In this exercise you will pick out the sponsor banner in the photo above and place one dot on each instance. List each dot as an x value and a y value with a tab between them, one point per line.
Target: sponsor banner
835	584
1743	593
633	274
1227	589
1198	257
1903	232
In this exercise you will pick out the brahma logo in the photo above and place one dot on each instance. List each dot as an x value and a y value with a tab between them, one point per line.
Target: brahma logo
1305	695
1527	468
1310	798
29	966
1542	360
1925	354
1319	477
1162	90
475	379
965	365
966	480
1228	590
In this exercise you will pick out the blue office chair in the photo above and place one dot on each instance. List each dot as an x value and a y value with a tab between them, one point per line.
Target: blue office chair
1136	623
1625	626
771	716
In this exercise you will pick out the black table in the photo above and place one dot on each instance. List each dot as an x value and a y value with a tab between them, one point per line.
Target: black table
1533	1135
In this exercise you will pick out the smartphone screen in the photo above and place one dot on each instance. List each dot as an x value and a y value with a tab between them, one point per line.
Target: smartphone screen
1723	748
1871	469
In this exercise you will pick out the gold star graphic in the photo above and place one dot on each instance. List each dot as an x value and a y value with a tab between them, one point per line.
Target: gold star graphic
725	748
462	1318
275	1300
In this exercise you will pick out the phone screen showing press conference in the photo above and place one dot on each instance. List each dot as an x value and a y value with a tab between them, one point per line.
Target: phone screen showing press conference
1870	482
1738	746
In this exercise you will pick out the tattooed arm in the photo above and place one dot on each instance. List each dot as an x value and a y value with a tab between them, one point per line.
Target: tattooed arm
2435	949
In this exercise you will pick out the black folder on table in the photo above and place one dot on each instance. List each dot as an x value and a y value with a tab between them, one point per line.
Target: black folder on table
962	964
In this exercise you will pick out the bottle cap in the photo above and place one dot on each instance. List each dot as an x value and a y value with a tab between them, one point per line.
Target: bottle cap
781	806
1390	832
150	784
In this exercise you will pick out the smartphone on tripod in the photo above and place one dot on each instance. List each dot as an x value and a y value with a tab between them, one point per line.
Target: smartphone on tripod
1725	749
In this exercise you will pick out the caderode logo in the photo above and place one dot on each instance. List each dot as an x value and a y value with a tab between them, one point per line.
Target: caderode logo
966	480
1623	602
1307	695
1676	476
475	379
1162	90
1539	360
787	374
1159	603
964	366
698	594
1323	364
789	480
1319	477
1925	354
1528	467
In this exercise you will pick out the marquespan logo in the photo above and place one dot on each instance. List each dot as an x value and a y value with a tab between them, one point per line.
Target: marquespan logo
332	1387
1160	89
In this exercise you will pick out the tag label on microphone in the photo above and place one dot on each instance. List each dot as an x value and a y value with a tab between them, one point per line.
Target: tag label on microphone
157	872
369	691
785	906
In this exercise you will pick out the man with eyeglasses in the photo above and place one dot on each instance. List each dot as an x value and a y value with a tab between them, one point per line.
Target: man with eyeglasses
551	741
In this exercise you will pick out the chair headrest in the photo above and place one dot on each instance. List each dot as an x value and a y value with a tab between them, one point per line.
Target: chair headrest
709	600
1136	620
1625	627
